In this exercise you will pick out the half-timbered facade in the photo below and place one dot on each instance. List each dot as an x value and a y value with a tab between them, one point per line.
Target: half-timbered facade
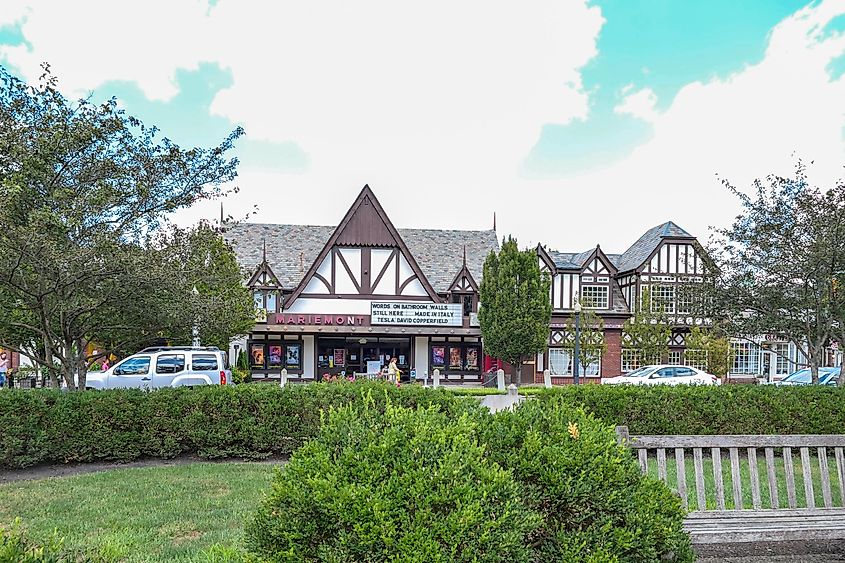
665	260
343	300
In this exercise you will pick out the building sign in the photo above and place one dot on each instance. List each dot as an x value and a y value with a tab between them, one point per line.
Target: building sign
329	320
404	313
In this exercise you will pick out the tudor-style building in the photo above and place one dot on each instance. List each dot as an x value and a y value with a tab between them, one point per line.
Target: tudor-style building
664	259
344	299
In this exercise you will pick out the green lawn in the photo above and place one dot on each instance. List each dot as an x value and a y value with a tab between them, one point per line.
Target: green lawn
745	479
141	514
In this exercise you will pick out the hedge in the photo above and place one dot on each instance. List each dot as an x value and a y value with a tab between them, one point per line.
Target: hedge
699	409
255	421
246	421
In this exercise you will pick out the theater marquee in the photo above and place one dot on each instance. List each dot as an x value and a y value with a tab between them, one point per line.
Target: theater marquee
403	313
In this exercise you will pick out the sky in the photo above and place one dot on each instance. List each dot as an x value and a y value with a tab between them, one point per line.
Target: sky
576	122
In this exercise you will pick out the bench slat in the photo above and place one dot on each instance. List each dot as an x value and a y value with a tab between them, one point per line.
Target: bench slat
790	477
699	478
643	457
840	473
756	503
661	464
736	484
772	477
682	476
716	454
826	494
738	441
807	474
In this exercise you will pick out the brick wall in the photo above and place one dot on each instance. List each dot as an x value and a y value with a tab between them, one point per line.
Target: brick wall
611	363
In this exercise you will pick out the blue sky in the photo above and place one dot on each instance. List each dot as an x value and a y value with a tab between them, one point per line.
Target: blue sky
622	108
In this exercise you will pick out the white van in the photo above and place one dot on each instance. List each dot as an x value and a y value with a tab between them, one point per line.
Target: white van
164	366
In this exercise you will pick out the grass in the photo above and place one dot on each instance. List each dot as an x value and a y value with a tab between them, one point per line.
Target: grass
141	514
745	479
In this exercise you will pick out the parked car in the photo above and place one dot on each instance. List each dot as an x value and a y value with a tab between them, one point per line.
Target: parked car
164	366
827	376
664	375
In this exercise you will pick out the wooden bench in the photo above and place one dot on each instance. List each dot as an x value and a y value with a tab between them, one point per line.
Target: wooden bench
760	501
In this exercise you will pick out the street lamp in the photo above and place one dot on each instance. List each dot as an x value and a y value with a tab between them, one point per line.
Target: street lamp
576	360
195	331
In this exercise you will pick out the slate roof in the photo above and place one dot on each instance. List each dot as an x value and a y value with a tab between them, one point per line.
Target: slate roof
291	249
651	239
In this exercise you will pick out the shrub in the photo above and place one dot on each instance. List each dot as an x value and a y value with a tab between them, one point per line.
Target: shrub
15	547
247	421
402	485
595	503
724	409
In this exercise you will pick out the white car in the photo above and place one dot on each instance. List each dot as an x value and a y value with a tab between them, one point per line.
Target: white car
164	366
664	375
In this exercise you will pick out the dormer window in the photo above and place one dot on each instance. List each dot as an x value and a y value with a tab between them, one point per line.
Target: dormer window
595	296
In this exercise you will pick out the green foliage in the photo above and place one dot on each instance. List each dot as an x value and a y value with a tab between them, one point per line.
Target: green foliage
248	421
240	375
16	547
595	503
515	307
700	409
593	344
708	348
648	330
85	189
399	485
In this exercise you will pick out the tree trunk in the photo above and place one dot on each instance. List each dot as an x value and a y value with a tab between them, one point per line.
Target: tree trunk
519	372
81	364
815	360
69	366
841	381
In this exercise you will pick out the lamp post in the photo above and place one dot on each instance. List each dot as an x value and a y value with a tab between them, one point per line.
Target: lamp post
195	330
576	361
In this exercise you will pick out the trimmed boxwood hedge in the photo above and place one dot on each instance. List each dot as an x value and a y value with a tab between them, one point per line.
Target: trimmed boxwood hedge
254	421
247	421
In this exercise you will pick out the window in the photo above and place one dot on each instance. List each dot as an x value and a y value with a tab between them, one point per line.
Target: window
746	358
271	301
665	373
207	362
663	296
258	299
685	301
170	363
134	366
684	372
467	305
675	357
784	366
594	296
696	359
630	359
560	363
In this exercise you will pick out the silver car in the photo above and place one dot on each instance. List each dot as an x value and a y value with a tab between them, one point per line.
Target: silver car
165	366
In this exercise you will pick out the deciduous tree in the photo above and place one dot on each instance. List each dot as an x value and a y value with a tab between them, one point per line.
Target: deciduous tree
515	306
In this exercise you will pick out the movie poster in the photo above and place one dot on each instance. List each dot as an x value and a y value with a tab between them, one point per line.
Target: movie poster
274	356
257	355
339	357
455	358
292	359
472	359
438	356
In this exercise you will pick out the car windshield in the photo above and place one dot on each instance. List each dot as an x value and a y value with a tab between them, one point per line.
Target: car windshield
641	372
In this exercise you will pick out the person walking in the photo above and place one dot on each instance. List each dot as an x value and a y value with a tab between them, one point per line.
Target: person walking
392	371
4	368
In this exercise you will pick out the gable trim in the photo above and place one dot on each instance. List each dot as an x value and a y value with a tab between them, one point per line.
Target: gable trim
365	194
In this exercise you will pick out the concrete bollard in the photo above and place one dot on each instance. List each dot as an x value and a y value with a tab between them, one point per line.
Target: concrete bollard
284	378
436	378
512	390
500	380
547	378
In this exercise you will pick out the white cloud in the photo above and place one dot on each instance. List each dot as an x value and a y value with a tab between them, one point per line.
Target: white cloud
639	104
436	104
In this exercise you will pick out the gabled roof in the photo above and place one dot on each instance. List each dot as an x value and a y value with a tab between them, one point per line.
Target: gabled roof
463	280
264	277
641	250
292	249
366	224
577	261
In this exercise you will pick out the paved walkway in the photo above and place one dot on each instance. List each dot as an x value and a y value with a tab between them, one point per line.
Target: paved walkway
774	552
67	470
